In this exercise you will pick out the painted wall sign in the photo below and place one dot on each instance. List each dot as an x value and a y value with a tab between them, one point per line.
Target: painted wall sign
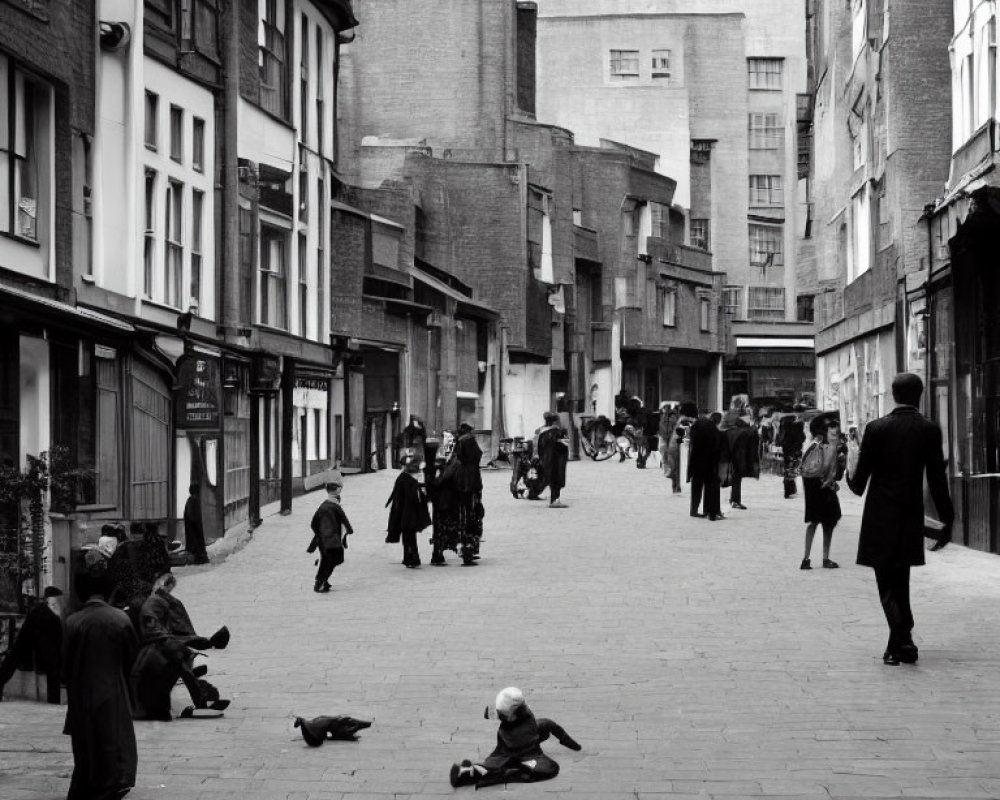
197	399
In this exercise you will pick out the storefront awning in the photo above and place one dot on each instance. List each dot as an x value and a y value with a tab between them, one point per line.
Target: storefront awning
75	314
466	305
765	343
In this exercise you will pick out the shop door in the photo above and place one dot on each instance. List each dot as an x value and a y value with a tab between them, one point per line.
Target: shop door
150	452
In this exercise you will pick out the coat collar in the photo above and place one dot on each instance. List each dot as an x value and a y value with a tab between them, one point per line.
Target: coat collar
905	410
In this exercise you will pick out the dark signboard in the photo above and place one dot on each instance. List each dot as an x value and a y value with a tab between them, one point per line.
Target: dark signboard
197	398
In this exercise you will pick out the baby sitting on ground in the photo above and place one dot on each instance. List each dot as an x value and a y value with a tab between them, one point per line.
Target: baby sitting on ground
518	755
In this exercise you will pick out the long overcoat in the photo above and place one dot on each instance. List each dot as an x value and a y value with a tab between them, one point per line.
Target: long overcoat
100	647
408	507
706	448
895	452
553	455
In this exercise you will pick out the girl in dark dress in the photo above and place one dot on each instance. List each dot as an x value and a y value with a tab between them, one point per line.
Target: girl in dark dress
822	504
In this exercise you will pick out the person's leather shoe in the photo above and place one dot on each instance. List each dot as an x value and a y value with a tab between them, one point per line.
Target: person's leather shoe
740	506
890	659
907	653
696	514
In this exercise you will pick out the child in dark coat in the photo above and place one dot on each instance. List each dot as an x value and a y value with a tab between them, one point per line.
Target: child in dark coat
330	528
408	513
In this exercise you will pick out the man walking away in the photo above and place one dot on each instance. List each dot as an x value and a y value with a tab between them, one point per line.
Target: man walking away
100	648
703	467
896	451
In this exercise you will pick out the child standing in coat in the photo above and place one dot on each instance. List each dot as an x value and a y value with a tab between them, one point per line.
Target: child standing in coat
408	514
330	528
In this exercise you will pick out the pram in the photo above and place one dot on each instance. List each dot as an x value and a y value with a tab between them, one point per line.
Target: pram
525	476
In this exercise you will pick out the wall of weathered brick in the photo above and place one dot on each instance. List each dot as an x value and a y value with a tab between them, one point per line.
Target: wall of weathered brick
58	43
429	68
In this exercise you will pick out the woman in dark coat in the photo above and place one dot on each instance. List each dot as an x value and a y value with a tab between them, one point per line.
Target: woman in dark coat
100	646
553	454
408	511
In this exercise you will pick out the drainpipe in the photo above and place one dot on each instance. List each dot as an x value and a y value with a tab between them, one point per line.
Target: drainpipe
929	405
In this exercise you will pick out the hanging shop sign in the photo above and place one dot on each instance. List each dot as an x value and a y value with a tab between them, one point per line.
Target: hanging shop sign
197	397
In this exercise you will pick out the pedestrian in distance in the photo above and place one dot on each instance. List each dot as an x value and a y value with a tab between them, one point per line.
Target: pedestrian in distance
703	467
897	452
790	438
194	531
100	646
665	432
552	448
38	645
743	448
819	485
408	513
330	528
468	455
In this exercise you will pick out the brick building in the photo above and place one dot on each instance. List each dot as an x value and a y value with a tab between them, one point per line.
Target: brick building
711	87
952	305
881	145
48	347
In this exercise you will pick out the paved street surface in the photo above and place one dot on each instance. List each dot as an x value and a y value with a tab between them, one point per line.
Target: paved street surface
691	659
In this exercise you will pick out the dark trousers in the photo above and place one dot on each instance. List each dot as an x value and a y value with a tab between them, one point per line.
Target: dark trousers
894	592
411	555
708	486
327	562
736	489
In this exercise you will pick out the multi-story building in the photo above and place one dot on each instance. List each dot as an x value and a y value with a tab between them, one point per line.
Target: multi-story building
711	86
53	355
881	145
501	195
953	313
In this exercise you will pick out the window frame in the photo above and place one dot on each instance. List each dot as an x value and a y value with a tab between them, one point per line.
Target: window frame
150	184
769	309
273	279
757	66
768	135
767	193
198	144
728	293
176	123
151	121
659	71
778	238
197	230
617	61
173	243
697	221
668	306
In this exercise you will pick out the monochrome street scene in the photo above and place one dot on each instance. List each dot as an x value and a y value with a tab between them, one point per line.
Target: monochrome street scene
578	398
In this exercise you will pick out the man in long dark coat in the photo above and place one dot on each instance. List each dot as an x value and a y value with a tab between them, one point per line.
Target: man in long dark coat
552	455
100	647
705	442
896	451
38	645
468	454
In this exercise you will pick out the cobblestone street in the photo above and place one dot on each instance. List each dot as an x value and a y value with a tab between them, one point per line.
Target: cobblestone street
691	659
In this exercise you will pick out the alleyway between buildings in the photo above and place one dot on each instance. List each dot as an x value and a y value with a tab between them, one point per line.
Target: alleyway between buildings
691	659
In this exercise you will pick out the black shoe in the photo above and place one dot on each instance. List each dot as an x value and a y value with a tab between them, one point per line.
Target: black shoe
325	588
828	564
907	653
740	506
890	659
200	671
806	564
716	517
317	587
696	514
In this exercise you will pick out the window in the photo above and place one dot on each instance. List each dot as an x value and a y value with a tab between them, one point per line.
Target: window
304	80
766	246
320	259
320	130
765	191
765	132
152	120
271	59
858	25
764	73
699	234
273	305
303	188
704	314
246	257
859	259
732	300
659	220
804	311
25	110
766	302
303	285
661	65
197	221
198	144
173	265
668	302
176	133
149	243
624	65
199	26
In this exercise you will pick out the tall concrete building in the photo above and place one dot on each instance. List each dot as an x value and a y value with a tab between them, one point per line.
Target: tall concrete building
713	87
882	123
